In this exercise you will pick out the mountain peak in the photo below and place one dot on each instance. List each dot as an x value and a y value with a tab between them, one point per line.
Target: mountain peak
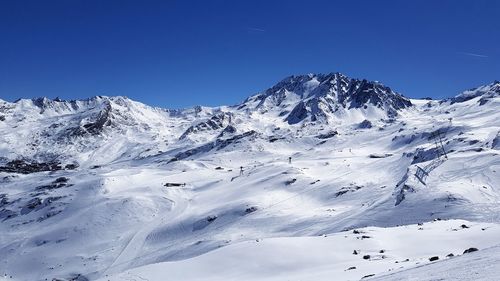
60	106
486	92
328	96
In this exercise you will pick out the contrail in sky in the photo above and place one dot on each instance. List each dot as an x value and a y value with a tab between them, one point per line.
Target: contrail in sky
472	55
256	29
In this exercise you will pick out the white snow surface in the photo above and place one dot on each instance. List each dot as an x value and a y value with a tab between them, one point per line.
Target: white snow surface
158	194
389	252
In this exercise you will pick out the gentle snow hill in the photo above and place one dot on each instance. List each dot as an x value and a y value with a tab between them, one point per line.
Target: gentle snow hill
105	186
349	255
482	265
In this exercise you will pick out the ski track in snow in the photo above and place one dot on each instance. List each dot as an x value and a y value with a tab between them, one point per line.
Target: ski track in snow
133	248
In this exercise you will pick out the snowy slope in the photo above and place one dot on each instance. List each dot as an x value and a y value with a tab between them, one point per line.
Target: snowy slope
481	265
344	255
83	195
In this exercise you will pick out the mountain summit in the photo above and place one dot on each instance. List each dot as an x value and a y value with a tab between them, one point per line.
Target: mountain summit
486	92
328	97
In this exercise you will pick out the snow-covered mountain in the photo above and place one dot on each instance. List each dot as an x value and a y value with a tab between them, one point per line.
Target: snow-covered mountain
111	188
326	97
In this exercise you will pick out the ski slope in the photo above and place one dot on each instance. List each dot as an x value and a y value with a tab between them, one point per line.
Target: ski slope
109	188
384	252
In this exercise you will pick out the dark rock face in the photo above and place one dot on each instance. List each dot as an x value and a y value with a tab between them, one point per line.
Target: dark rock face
35	201
346	189
31	205
201	224
495	144
299	113
322	95
470	250
71	166
327	135
366	92
401	195
175	184
218	144
6	214
250	210
366	124
61	180
101	120
93	117
73	277
216	122
229	130
486	93
278	93
58	183
4	200
424	155
374	155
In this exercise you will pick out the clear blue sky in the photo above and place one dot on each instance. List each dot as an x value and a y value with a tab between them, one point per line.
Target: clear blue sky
182	53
